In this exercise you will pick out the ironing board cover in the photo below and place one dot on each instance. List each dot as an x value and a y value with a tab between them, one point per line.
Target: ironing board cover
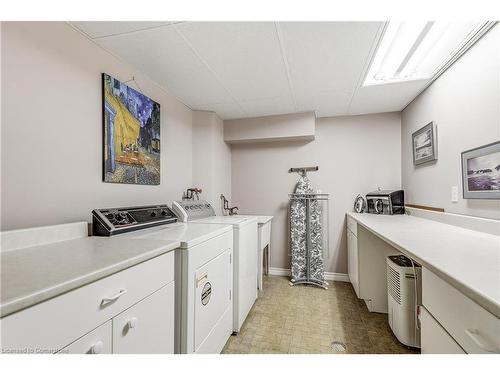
298	234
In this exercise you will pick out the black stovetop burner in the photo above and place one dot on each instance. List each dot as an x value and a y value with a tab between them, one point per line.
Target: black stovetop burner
111	221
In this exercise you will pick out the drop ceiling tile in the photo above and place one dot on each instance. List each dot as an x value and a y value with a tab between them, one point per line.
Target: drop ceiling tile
246	56
325	103
164	56
267	107
98	29
327	55
385	98
246	74
197	87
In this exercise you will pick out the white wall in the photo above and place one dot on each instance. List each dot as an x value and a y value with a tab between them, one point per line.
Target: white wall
211	158
52	128
464	102
355	154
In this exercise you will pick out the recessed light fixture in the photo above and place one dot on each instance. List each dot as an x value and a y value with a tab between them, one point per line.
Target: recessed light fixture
421	50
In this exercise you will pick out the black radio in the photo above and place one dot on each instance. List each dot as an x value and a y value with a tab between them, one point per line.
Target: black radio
386	202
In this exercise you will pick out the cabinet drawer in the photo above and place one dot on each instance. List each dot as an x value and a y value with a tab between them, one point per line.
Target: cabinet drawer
434	339
97	341
352	225
471	326
148	326
60	320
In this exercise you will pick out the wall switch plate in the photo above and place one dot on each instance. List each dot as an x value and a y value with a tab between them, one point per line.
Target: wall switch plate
454	194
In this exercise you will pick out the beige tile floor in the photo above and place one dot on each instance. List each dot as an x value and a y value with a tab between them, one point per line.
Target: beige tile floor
306	319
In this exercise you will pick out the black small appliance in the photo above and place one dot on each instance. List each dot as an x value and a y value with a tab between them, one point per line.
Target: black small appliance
111	221
386	202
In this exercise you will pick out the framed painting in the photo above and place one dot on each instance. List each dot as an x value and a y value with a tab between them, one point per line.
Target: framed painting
424	144
481	172
131	135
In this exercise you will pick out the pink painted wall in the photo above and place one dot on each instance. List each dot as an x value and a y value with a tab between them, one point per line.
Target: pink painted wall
465	104
211	158
51	129
355	154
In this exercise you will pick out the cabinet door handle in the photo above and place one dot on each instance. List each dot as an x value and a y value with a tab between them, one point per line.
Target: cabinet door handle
478	340
96	348
112	299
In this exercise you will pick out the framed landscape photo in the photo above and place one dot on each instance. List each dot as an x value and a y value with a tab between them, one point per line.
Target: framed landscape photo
131	134
481	172
424	144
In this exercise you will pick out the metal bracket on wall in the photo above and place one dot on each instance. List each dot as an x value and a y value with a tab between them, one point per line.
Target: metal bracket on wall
303	170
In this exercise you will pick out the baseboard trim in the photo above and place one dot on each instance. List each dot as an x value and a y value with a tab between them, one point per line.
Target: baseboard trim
279	271
331	276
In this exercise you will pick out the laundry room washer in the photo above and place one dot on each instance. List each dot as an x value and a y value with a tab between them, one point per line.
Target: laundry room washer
245	250
203	275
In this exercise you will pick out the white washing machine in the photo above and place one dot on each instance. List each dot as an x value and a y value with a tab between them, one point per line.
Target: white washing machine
245	250
203	274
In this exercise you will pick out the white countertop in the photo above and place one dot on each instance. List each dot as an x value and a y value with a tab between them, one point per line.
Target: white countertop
264	219
34	274
467	259
236	221
188	234
261	219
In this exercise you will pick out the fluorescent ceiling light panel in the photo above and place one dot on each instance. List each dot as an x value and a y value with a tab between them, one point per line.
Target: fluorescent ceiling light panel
418	50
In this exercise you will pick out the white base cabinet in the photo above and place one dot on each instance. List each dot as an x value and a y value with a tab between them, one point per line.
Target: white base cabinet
98	317
352	260
366	265
473	328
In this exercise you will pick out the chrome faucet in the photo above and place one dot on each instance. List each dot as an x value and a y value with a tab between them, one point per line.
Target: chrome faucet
225	206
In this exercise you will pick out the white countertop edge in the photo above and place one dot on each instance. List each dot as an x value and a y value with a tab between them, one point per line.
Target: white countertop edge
199	240
264	219
486	302
43	295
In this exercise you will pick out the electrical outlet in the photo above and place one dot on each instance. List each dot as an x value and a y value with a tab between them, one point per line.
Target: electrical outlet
454	194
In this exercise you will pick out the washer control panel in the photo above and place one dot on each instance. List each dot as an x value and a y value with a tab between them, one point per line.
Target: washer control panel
187	210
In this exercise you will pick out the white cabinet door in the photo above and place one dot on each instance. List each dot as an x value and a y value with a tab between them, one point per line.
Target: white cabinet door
434	339
97	341
148	326
352	260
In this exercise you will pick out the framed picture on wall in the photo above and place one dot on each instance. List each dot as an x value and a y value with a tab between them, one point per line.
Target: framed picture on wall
481	172
131	134
424	144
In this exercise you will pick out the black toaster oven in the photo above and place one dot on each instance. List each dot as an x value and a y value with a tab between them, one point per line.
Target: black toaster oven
386	202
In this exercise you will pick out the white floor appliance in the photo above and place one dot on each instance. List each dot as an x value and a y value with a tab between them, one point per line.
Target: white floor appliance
203	272
245	250
404	280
